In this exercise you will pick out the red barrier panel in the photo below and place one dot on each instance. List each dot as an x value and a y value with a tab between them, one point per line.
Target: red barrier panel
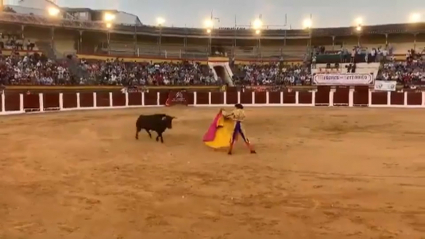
341	96
202	98
305	97
322	95
12	102
414	98
1	103
70	100
246	98
379	98
289	97
397	98
135	98
260	97
102	99
217	98
361	96
151	98
86	99
51	100
232	98
190	98
118	99
274	97
163	97
31	102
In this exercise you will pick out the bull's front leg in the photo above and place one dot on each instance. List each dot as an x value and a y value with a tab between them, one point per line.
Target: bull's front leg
150	135
159	137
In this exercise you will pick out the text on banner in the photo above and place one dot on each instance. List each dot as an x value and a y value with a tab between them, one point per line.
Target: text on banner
343	79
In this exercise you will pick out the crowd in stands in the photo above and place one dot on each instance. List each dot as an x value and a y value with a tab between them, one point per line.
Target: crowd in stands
30	70
272	74
408	72
116	72
36	69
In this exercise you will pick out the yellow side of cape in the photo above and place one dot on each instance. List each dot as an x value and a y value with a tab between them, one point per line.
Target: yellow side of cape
223	134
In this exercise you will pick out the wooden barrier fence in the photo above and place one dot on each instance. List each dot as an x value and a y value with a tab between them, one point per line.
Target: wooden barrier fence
13	103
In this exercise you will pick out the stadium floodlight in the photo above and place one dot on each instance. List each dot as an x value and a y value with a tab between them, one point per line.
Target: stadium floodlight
160	21
53	11
307	23
258	32
415	17
108	25
359	21
209	24
209	31
258	24
108	17
359	28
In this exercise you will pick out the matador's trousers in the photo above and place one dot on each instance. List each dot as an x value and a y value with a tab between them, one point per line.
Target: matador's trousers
238	130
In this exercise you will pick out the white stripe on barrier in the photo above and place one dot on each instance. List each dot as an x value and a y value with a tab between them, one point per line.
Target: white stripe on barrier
3	103
297	103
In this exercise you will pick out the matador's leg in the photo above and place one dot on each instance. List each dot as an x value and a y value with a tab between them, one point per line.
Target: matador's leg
239	131
246	140
233	140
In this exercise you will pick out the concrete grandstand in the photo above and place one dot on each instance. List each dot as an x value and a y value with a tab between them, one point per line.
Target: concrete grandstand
59	32
83	31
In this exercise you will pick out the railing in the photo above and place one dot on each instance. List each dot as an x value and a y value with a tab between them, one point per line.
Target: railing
11	103
181	52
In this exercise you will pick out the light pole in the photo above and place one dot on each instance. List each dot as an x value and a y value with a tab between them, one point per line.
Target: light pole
209	25
108	18
308	25
160	22
258	26
53	12
258	34
359	28
209	32
415	18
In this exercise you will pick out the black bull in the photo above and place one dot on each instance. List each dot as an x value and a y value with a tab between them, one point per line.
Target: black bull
157	122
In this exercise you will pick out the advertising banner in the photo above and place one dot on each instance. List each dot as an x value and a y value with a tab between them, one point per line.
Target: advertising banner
385	85
343	79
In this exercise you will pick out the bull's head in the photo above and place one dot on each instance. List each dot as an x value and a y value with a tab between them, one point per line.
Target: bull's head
168	121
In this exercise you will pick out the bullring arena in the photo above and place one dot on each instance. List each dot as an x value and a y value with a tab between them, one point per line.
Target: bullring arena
320	172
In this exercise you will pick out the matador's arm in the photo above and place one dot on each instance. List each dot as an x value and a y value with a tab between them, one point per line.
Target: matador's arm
227	114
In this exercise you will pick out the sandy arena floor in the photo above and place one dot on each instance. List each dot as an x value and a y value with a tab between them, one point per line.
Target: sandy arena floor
319	173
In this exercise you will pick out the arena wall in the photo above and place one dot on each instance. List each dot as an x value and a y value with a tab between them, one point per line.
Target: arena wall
13	103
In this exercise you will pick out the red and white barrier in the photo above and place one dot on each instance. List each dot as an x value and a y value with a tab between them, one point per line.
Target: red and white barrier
11	103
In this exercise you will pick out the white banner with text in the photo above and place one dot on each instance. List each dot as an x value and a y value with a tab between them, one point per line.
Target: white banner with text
343	79
385	85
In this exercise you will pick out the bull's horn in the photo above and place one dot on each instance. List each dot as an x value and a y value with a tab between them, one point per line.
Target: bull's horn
164	118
